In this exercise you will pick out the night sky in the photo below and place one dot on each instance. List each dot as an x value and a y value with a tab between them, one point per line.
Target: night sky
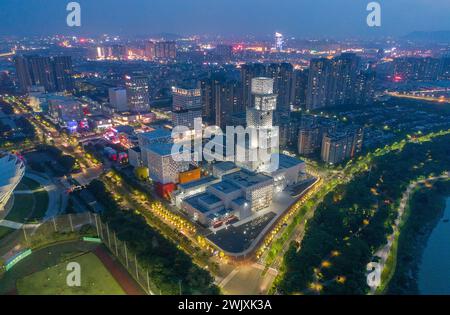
301	18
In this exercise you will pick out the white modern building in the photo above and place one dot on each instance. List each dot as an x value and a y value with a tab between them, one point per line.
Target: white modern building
12	170
163	165
239	194
147	139
260	120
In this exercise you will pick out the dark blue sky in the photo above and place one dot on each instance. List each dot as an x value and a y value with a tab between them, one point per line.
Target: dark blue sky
302	18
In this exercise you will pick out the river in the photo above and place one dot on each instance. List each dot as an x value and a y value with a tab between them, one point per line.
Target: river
434	270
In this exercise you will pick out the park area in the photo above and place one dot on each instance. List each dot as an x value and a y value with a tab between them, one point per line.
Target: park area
30	202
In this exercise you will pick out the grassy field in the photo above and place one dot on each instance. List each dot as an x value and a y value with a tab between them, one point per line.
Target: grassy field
28	184
4	231
29	206
22	208
40	205
95	279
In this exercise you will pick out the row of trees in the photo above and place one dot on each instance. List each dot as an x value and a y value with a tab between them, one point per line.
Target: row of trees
354	220
169	267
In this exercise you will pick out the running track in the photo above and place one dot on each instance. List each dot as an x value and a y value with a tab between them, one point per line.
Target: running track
119	273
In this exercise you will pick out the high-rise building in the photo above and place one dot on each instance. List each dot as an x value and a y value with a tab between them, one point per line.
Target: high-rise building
416	68
118	99
165	50
23	73
42	72
248	72
365	87
137	91
282	74
309	140
318	83
338	81
260	118
444	72
186	98
54	74
299	88
150	50
221	98
279	41
339	146
185	117
227	102
224	52
186	106
63	70
207	88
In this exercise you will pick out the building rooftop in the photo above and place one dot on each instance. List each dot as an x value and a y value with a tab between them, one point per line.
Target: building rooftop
240	201
136	149
287	161
225	166
226	187
163	149
156	134
194	201
244	178
209	199
200	182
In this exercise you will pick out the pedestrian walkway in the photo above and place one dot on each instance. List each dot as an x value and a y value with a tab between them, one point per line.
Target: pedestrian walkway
11	224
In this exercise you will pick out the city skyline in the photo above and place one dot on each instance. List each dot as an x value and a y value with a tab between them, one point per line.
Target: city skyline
336	18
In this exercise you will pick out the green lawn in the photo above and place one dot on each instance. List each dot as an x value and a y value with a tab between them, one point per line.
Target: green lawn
28	206
4	231
41	205
22	207
95	279
28	184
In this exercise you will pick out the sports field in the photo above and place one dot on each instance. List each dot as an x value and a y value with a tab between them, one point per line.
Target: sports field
44	272
95	279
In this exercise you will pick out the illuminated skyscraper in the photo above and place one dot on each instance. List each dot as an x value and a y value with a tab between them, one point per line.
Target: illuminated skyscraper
186	106
248	72
260	118
283	75
137	93
279	41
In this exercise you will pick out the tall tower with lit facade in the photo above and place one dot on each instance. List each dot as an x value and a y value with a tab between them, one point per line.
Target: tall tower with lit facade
137	93
279	41
264	143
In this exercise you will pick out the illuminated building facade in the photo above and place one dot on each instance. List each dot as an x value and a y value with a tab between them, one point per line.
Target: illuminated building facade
279	41
137	91
13	169
187	105
260	118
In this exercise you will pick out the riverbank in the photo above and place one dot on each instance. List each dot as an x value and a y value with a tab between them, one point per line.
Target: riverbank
425	211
